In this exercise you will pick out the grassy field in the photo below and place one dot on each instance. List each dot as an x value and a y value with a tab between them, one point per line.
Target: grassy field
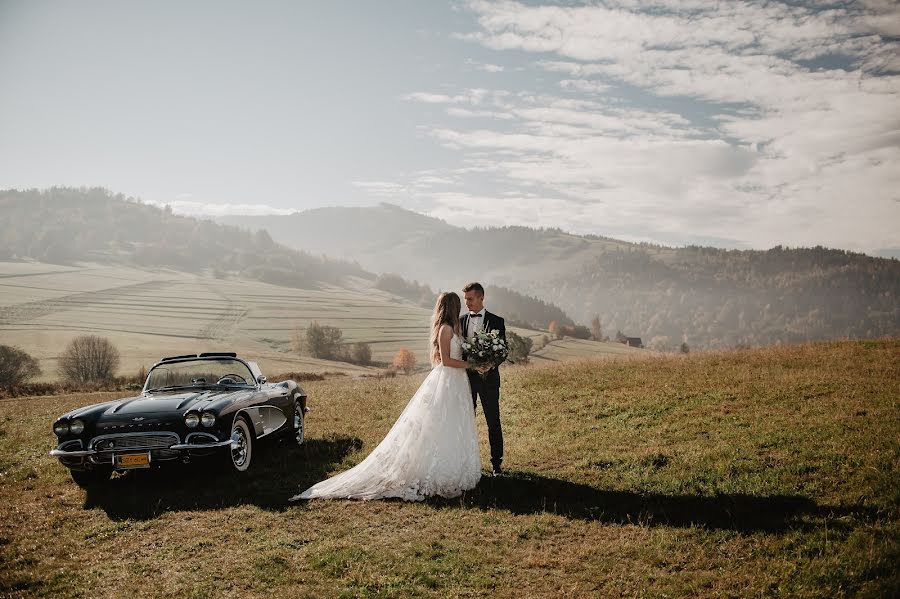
753	473
149	314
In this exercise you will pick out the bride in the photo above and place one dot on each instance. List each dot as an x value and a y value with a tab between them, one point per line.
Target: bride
432	449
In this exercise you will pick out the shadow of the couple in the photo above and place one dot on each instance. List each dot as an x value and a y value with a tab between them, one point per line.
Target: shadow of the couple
283	469
526	493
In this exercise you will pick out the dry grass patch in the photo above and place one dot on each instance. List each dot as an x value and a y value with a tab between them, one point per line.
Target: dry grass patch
766	472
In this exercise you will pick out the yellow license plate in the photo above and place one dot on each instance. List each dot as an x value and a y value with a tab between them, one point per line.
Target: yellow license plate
135	460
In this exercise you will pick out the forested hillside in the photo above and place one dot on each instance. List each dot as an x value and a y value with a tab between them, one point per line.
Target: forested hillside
518	309
716	298
706	297
64	225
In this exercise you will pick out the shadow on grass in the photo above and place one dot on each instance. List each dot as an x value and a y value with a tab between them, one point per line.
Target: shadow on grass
280	470
525	493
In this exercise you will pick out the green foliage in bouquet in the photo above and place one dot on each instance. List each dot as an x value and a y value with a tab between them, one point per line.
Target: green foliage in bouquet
485	351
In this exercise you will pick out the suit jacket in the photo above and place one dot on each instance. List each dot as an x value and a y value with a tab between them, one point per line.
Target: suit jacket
491	322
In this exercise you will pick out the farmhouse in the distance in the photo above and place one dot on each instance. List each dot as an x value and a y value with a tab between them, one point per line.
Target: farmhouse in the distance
633	342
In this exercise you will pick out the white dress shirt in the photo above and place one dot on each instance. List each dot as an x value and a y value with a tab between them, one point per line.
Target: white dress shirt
475	323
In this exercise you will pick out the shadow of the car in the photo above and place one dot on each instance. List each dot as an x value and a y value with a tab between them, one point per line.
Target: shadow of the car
280	470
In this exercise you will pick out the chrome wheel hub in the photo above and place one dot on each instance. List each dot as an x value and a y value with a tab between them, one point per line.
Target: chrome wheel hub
298	424
238	447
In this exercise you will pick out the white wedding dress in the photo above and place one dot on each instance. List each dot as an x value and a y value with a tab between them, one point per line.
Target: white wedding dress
432	449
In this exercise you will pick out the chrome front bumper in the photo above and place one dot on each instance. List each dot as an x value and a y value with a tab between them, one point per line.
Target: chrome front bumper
61	453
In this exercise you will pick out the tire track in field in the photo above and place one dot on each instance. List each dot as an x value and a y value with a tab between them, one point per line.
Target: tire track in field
26	311
224	324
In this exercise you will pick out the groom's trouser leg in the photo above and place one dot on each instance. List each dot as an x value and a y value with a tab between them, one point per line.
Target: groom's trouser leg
474	385
490	403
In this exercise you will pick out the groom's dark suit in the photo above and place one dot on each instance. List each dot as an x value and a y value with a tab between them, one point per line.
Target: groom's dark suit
488	387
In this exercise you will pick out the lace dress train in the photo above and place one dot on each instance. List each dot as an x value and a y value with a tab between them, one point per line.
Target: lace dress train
432	449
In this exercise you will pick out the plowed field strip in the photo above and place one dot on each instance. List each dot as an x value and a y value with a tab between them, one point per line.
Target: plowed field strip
31	310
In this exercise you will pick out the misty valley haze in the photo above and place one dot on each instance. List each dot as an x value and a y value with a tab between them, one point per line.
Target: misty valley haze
705	297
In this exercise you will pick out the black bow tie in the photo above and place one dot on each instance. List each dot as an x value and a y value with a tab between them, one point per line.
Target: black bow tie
475	315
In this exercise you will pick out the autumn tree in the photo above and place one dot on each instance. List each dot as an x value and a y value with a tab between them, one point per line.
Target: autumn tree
404	360
89	358
555	329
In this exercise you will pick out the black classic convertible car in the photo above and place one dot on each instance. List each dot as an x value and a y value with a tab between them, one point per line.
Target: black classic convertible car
190	406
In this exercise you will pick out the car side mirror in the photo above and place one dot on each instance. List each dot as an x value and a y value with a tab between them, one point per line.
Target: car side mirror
261	379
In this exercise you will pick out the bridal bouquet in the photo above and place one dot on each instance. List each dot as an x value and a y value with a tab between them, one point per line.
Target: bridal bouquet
485	351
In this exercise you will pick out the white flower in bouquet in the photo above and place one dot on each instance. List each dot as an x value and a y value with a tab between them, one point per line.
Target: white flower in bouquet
486	351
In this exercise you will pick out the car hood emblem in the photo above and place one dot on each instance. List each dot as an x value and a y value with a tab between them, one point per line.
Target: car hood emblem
138	419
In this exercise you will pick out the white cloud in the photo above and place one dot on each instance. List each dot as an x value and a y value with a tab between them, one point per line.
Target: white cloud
486	67
469	114
386	189
205	209
584	85
473	97
787	129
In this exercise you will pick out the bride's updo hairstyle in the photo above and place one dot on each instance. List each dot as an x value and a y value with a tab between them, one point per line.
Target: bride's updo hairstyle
446	311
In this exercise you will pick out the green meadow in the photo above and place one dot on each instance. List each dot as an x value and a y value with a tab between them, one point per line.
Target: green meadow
753	473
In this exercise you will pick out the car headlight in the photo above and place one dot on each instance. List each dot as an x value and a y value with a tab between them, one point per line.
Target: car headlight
208	419
191	420
76	427
61	428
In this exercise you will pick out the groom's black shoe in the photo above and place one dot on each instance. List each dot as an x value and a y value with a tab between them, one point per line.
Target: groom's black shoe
497	470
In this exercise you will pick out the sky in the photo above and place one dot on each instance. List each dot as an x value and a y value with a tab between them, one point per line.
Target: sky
732	124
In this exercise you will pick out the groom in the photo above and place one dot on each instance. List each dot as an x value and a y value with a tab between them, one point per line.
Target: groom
487	387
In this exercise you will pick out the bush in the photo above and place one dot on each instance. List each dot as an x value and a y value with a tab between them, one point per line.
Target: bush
361	353
519	347
16	366
404	360
299	377
578	331
324	342
89	358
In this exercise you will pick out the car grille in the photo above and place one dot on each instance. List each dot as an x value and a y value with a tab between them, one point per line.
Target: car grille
135	442
157	443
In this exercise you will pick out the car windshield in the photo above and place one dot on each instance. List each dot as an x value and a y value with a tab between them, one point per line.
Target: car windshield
200	373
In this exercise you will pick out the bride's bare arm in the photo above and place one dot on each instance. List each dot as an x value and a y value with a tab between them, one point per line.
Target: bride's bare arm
445	335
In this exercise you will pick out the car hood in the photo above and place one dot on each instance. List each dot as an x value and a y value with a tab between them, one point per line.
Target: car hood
161	403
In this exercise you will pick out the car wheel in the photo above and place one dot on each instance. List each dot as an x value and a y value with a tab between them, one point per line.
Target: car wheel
241	445
299	423
87	479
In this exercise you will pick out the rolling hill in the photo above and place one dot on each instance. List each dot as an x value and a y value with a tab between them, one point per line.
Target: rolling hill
159	284
706	297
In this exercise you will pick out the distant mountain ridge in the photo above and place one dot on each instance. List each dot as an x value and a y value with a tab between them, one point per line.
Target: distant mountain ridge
64	225
705	297
388	238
